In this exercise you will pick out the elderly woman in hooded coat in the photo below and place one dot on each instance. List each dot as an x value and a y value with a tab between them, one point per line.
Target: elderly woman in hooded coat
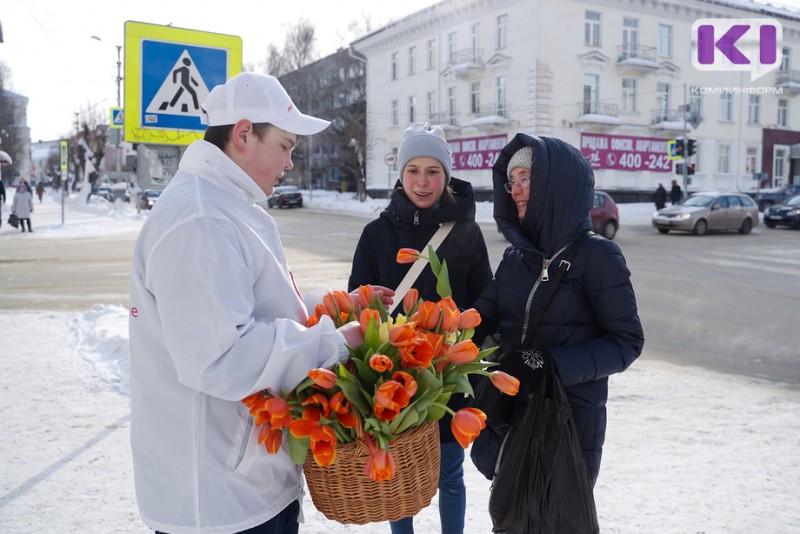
543	191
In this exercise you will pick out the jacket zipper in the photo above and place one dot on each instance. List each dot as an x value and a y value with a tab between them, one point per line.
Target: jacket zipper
543	277
416	218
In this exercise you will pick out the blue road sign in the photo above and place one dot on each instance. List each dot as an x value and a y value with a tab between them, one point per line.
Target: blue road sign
176	78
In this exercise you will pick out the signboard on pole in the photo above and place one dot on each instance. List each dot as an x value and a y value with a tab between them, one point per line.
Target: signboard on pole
390	159
168	74
117	118
64	155
626	153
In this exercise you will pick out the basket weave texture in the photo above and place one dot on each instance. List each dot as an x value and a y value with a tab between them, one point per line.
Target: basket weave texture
344	493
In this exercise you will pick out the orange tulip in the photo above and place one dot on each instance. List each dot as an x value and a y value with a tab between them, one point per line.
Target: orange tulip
381	465
462	352
392	395
344	301
505	382
469	319
447	303
402	335
270	438
407	255
324	378
385	414
302	428
271	410
341	407
329	303
250	400
407	380
366	316
323	445
450	319
312	321
380	363
410	300
319	402
426	348
467	423
366	294
427	315
319	310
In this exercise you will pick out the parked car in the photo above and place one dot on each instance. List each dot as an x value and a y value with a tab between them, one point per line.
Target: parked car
149	197
105	192
605	215
704	212
285	196
786	214
770	198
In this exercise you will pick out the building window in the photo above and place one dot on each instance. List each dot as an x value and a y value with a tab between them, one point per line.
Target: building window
662	100
501	32
751	161
412	60
475	97
630	37
591	29
451	48
395	113
629	97
724	159
726	107
431	54
664	40
394	66
783	112
786	58
431	100
501	94
695	103
591	94
475	39
753	109
451	105
412	109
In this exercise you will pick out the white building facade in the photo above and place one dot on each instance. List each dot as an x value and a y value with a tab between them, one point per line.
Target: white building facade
612	77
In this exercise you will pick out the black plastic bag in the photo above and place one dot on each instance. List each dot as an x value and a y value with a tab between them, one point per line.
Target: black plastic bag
542	485
499	409
13	220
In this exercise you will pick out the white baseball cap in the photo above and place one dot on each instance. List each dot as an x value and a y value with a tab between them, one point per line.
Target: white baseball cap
259	98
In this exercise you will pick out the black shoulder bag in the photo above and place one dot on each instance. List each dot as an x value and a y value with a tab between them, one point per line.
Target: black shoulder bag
500	408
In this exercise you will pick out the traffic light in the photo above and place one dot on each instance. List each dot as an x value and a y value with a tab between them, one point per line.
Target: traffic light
691	147
689	169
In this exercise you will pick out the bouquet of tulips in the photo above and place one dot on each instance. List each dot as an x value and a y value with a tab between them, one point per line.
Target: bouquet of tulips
403	375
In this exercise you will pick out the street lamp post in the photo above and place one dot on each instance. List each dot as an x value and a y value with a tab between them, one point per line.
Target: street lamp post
119	100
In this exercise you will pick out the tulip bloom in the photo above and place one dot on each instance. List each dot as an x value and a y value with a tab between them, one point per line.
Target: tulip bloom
407	255
341	407
380	465
365	317
271	410
410	300
324	378
427	315
408	382
380	363
330	306
505	382
462	352
366	294
312	321
270	438
450	319
402	335
392	395
344	301
323	445
467	423
469	319
319	402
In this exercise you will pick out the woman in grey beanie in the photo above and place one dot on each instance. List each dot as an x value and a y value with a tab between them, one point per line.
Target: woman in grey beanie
425	197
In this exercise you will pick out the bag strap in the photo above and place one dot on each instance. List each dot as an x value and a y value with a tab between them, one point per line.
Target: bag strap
563	266
416	269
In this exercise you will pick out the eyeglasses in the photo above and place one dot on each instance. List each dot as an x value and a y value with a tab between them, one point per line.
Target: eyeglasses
522	182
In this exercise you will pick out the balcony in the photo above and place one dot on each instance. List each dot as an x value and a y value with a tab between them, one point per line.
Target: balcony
490	117
637	59
670	120
446	121
598	115
789	81
464	64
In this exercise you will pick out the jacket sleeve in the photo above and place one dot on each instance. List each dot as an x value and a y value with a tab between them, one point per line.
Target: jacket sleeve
480	273
203	282
620	338
486	305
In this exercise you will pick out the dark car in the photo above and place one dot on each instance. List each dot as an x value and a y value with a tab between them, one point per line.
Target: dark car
770	198
605	215
787	214
149	197
285	196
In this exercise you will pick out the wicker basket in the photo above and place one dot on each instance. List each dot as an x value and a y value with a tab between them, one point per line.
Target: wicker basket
344	493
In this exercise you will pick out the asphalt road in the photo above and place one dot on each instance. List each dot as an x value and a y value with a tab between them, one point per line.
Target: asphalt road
726	302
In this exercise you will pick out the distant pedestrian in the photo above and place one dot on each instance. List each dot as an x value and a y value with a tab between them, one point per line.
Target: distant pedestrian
23	206
661	197
2	200
675	194
40	190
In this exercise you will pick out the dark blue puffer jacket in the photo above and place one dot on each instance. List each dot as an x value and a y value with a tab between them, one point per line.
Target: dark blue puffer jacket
591	326
402	225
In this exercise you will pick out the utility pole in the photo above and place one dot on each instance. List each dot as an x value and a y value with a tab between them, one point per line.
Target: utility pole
685	144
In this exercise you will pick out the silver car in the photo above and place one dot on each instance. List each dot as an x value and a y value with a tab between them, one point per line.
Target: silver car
707	212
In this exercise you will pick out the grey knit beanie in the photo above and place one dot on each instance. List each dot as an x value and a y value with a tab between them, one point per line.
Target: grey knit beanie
422	139
521	158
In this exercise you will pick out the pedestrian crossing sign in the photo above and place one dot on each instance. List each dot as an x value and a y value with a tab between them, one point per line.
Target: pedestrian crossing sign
168	75
117	118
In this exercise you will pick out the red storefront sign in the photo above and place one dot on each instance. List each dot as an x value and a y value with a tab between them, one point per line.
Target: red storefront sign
626	153
476	153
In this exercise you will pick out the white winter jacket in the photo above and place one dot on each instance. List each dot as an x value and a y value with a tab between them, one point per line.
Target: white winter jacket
215	316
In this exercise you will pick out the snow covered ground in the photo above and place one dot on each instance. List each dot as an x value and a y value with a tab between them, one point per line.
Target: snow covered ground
687	450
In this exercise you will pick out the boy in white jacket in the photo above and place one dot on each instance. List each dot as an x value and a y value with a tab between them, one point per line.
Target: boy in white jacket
215	316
